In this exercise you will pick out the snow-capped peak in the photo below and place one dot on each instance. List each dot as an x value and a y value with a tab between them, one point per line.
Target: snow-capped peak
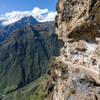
41	15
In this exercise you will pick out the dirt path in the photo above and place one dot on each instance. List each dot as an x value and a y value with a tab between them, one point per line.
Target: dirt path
95	74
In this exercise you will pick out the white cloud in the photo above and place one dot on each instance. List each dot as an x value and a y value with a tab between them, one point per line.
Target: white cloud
38	11
50	16
41	15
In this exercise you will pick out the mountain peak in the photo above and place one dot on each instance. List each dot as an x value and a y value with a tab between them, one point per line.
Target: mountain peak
41	15
30	20
25	21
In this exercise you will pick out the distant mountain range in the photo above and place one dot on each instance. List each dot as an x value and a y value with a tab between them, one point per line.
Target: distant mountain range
6	30
25	49
41	15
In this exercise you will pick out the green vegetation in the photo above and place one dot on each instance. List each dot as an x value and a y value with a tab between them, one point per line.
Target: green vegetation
32	91
24	57
39	94
72	91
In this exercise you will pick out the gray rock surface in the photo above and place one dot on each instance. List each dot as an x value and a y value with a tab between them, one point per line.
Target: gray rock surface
81	82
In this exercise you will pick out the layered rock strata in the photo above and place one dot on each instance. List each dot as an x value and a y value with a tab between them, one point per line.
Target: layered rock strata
78	26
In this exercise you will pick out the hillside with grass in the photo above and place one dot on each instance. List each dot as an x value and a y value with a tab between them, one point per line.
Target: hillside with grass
24	56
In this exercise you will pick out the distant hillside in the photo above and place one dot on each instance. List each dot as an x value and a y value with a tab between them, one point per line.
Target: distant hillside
6	30
24	55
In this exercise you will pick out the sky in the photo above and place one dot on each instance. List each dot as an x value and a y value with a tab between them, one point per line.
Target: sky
13	10
26	5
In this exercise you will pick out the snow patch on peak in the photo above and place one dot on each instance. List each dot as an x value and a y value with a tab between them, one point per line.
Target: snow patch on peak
41	15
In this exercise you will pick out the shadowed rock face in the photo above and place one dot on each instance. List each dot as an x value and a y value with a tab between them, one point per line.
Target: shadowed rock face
78	25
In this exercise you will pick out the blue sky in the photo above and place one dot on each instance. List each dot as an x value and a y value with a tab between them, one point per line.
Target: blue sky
25	5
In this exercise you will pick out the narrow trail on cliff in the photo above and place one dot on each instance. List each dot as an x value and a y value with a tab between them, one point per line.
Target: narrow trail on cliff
95	74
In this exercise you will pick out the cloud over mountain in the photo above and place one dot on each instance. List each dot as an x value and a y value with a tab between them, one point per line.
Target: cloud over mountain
41	15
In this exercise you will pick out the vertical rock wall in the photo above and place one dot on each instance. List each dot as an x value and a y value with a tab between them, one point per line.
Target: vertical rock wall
75	73
78	26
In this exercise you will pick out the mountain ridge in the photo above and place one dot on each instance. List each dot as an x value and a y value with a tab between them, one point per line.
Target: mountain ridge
25	52
5	31
41	15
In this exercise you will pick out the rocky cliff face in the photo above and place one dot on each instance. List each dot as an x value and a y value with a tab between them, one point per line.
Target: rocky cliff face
75	76
67	81
78	25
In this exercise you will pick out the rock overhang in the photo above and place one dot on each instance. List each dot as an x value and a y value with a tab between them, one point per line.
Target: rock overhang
78	26
78	19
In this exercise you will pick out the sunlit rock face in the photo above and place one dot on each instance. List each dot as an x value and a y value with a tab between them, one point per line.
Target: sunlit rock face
78	26
75	74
